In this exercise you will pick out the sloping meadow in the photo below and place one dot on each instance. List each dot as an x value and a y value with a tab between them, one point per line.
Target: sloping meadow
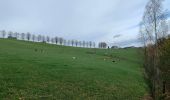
43	71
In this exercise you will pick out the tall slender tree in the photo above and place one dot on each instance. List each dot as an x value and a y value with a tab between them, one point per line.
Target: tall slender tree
153	27
61	40
65	42
90	44
43	39
94	44
72	42
39	38
56	40
33	38
22	36
84	43
47	39
28	36
80	43
87	44
3	33
53	40
76	43
68	42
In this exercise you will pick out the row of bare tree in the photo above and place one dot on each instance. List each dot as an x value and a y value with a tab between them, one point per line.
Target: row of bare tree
46	39
154	36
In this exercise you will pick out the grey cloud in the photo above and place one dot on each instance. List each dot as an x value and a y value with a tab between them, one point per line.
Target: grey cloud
73	19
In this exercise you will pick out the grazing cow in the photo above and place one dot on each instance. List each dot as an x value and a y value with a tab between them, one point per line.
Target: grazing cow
35	50
74	58
114	61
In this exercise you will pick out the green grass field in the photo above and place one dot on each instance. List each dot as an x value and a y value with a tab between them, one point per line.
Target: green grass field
41	71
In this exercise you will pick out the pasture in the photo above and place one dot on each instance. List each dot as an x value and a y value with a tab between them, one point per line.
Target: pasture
44	71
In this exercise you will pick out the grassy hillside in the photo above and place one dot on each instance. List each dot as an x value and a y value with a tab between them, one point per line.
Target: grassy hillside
42	71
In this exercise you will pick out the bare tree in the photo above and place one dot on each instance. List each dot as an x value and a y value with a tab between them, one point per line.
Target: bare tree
76	43
72	42
39	38
65	42
22	36
18	35
43	39
80	43
15	35
10	34
102	45
28	36
61	40
48	39
153	27
56	40
84	43
143	37
33	38
90	44
94	44
87	44
53	40
69	42
3	33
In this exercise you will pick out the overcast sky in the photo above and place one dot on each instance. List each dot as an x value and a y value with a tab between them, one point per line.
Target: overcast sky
112	21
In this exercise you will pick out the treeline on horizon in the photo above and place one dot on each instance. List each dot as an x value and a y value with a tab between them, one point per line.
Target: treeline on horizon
54	40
